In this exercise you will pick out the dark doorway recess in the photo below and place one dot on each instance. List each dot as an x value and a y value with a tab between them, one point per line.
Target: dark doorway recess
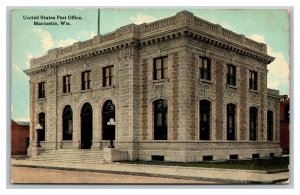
108	121
86	126
41	132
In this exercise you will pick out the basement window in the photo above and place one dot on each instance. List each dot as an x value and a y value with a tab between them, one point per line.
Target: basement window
234	157
255	156
207	158
157	158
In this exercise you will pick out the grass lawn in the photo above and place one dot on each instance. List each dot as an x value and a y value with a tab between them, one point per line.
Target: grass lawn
270	164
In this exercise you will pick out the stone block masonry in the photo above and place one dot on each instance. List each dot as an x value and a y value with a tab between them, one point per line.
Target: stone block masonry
150	97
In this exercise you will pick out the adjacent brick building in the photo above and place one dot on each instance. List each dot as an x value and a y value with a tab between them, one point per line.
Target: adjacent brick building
178	89
19	138
285	123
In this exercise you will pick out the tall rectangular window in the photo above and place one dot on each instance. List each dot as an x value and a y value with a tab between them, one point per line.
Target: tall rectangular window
42	90
270	125
253	123
231	111
86	80
205	68
253	80
67	84
160	68
160	119
231	74
205	110
108	76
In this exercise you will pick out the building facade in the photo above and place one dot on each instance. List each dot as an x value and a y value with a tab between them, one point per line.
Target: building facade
19	138
178	89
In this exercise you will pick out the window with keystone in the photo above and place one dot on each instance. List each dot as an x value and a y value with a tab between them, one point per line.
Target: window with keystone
205	68
67	84
231	74
86	80
108	76
160	68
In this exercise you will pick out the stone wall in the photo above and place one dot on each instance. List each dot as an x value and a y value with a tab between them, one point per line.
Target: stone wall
183	39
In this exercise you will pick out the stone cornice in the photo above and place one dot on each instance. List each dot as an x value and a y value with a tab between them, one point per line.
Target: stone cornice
183	24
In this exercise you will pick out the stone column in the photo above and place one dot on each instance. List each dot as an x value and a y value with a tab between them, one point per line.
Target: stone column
96	127
32	133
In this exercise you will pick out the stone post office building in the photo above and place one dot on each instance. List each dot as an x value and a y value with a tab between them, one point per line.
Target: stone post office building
177	89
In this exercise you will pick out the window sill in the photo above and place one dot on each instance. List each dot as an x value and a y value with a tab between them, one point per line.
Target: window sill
231	86
41	99
253	91
86	90
206	81
160	81
107	87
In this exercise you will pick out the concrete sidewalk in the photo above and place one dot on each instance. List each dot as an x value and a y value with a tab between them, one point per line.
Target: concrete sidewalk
226	176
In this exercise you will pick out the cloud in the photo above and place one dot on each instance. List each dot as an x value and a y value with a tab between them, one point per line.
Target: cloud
142	18
83	35
48	42
65	42
16	68
28	58
258	38
279	69
45	37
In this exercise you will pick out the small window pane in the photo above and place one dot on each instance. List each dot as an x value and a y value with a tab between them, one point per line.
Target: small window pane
165	62
158	74
158	63
159	119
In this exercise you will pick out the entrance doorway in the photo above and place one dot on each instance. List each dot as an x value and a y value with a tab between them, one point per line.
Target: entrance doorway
108	121
86	126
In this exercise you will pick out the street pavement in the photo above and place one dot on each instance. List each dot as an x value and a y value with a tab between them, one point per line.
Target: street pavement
221	176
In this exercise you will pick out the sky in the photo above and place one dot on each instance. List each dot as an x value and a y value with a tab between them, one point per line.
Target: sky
270	26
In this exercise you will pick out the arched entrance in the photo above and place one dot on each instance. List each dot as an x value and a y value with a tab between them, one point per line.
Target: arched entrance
108	121
86	126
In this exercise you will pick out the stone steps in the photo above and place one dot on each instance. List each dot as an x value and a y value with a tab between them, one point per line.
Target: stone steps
73	156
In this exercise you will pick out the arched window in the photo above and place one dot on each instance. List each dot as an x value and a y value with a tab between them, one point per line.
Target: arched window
204	120
160	119
108	121
41	133
231	126
270	126
67	123
253	123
